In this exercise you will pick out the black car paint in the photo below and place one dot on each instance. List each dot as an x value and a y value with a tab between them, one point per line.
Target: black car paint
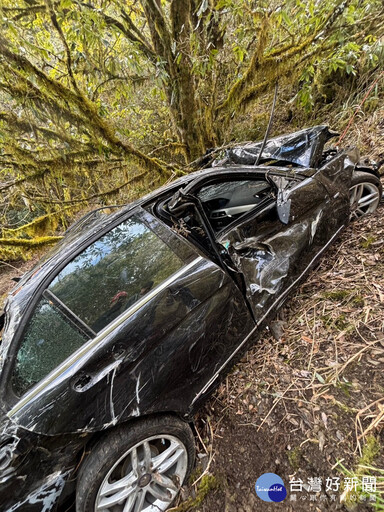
148	363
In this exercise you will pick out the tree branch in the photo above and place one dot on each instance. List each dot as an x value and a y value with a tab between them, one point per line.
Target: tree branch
19	181
86	107
58	29
240	91
24	11
132	35
110	192
25	125
35	242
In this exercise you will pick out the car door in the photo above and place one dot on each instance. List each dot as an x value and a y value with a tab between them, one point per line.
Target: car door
273	239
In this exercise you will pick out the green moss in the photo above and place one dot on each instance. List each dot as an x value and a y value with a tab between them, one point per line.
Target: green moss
353	296
34	242
294	457
198	471
12	249
336	295
341	322
358	301
207	484
327	320
366	244
343	407
37	227
365	467
371	450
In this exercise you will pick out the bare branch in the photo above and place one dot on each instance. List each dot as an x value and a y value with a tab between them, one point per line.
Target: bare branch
110	192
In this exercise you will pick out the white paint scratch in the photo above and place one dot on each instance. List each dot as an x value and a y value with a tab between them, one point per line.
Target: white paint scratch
111	404
138	389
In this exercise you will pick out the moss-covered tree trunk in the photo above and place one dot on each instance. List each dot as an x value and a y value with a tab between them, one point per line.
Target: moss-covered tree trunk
172	41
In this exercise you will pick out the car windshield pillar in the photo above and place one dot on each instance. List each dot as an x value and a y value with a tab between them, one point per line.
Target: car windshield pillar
178	205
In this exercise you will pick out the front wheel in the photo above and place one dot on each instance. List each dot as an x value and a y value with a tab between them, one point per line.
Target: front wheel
136	468
365	194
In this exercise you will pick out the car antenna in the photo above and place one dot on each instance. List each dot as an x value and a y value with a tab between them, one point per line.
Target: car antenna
268	127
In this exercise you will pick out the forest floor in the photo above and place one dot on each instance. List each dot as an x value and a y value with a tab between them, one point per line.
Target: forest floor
307	401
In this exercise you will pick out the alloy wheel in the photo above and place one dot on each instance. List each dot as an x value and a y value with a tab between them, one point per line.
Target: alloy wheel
146	478
364	199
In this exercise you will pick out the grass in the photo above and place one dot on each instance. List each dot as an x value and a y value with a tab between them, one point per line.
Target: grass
364	483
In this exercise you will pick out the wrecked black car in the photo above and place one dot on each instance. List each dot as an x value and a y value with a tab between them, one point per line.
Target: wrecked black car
112	343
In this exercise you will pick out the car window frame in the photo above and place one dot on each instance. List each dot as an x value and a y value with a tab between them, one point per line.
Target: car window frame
181	249
250	173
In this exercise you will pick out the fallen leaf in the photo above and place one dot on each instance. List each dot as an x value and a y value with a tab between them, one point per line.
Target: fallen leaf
328	397
325	419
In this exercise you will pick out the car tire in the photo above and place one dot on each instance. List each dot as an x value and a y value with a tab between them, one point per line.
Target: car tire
137	467
365	193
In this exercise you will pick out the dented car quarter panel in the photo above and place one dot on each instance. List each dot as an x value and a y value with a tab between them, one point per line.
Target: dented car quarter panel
41	466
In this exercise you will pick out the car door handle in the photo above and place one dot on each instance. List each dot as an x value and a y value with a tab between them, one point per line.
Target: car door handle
86	380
